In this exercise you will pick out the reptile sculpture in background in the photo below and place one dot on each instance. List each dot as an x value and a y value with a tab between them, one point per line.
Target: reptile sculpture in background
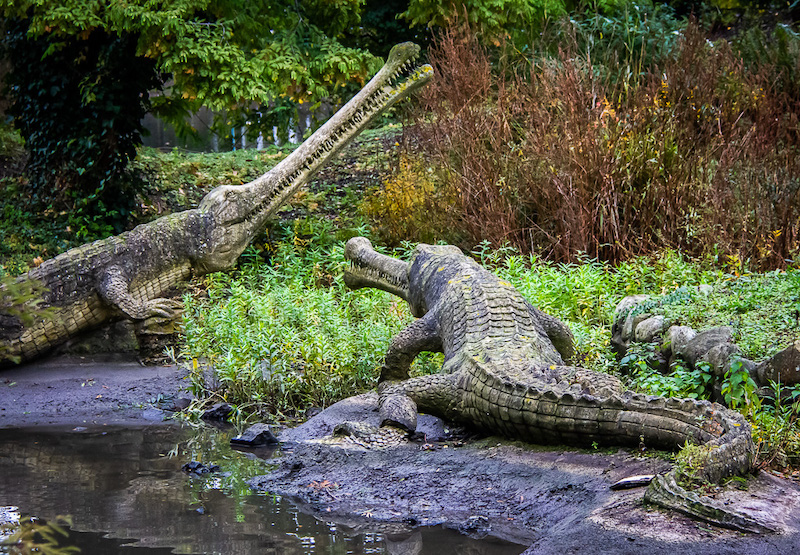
505	373
126	276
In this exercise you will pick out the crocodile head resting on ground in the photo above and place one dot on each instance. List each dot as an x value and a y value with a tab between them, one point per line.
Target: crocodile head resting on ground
239	212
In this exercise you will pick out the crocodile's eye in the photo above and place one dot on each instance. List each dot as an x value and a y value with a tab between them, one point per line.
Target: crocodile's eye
231	195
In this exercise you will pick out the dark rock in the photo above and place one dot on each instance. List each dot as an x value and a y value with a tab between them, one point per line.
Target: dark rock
172	404
256	435
311	412
649	329
704	341
718	357
475	526
153	414
181	403
623	327
677	337
783	367
220	411
196	467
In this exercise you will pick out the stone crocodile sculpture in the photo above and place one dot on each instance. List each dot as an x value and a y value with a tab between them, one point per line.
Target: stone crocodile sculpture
127	275
504	372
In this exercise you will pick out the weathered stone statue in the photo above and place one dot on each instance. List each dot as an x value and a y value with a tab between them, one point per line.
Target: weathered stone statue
125	276
504	373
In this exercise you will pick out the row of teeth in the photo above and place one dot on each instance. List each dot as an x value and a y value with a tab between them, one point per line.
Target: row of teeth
403	69
370	106
376	275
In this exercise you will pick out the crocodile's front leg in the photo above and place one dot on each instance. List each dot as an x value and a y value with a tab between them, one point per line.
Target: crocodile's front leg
420	335
114	289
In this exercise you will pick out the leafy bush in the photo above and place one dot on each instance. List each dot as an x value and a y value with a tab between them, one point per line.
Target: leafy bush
79	103
288	335
776	429
406	207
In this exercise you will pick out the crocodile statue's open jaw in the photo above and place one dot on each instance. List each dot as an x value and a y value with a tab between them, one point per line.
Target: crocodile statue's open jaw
244	209
369	268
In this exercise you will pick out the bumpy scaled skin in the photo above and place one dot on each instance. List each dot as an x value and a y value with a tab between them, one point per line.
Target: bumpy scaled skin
126	275
504	372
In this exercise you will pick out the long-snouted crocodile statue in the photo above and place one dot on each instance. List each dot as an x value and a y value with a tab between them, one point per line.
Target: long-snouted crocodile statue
504	372
126	275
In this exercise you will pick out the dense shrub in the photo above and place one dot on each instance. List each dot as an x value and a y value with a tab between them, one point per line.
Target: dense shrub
698	151
78	103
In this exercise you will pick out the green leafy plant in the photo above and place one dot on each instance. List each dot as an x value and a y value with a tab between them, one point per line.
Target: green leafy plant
34	535
283	336
739	389
689	461
79	106
775	428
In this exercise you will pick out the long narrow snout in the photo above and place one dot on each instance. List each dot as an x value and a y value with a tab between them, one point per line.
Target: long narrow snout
369	268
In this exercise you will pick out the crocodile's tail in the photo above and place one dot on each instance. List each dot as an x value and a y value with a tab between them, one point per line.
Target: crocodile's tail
560	405
568	413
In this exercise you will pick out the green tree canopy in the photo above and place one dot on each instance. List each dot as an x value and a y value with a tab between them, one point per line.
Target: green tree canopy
219	53
83	71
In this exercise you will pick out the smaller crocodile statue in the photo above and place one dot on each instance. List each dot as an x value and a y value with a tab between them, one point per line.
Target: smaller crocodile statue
504	372
126	276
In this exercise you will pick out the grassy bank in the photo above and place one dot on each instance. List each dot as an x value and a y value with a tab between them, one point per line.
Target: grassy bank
281	333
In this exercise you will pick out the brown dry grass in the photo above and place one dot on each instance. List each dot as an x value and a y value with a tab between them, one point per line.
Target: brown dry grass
700	154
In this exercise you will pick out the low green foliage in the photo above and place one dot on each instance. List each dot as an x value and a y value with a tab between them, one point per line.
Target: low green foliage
689	462
776	430
177	179
287	334
680	382
762	309
739	389
28	237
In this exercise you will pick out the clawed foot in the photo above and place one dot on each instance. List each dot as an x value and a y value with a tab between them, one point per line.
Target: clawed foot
370	437
165	309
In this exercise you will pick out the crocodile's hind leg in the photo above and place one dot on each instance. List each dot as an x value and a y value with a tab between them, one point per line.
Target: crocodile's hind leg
435	394
397	403
418	336
557	332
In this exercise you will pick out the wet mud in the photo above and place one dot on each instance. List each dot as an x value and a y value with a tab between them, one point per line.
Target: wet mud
87	391
554	499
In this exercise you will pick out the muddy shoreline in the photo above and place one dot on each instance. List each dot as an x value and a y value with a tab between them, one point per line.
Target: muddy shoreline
88	392
554	500
551	500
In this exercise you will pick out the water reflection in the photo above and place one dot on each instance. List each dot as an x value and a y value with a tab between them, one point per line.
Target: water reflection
124	487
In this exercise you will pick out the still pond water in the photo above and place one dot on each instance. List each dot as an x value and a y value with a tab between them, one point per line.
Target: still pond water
124	492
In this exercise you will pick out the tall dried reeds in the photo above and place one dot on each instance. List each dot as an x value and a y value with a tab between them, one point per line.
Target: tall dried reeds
562	156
